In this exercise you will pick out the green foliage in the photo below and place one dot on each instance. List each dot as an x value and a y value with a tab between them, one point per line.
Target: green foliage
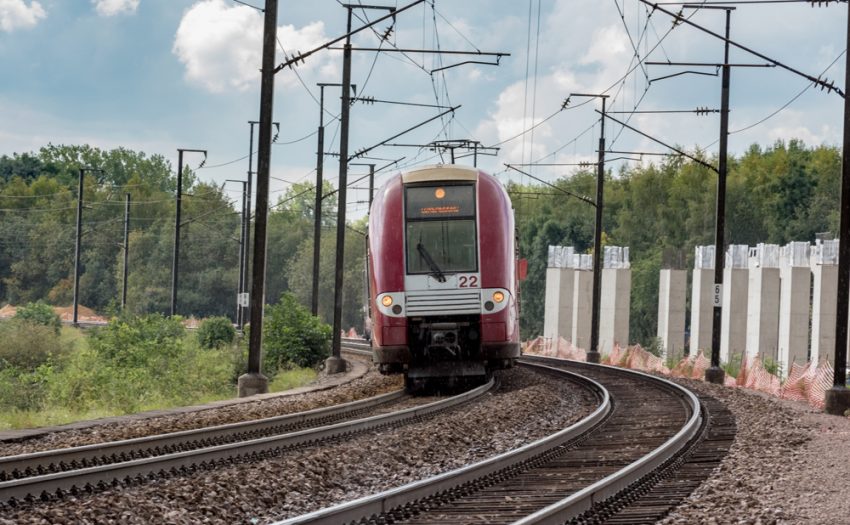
23	389
353	288
25	345
655	347
293	337
39	313
139	362
133	341
772	366
733	366
215	332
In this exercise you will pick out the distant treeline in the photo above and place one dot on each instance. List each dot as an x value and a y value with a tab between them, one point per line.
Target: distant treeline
787	192
38	200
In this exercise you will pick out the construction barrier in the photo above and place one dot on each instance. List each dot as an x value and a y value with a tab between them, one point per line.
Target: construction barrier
807	383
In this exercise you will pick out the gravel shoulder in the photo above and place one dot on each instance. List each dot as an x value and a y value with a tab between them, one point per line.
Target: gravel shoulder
789	464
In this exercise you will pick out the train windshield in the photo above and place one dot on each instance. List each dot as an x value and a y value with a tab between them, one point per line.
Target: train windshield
441	229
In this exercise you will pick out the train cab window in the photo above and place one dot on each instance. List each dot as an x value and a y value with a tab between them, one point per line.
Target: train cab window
441	229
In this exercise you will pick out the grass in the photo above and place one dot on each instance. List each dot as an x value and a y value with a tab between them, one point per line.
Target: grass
77	376
18	419
289	379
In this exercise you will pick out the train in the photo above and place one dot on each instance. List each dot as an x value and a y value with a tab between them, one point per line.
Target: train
443	276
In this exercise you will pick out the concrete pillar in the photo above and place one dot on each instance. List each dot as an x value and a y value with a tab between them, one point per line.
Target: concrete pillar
702	310
582	307
794	316
614	308
763	312
733	320
672	290
824	298
558	317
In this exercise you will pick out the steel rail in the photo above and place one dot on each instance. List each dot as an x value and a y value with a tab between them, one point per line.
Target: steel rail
148	445
126	471
385	501
582	501
356	346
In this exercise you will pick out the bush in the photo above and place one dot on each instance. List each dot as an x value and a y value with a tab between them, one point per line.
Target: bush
294	337
215	332
136	363
39	313
132	341
26	345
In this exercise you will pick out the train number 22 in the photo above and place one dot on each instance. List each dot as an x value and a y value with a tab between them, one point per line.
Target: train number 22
468	281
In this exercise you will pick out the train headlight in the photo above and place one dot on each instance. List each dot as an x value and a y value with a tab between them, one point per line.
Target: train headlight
387	301
439	193
498	297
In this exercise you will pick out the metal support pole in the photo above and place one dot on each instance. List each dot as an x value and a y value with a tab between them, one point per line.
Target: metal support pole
838	397
246	234
239	288
254	382
77	246
126	251
335	364
715	374
317	211
175	263
176	257
593	354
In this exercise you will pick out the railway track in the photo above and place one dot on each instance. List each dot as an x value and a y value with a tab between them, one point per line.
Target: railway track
356	346
48	474
611	467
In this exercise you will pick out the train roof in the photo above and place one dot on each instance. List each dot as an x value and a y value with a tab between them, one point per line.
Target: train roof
440	172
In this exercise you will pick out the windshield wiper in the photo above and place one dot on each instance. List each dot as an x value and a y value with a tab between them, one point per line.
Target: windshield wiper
438	273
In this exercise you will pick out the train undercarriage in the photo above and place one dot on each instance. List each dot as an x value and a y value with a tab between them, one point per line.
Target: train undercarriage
445	353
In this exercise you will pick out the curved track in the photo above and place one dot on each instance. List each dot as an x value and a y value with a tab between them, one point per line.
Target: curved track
55	472
619	464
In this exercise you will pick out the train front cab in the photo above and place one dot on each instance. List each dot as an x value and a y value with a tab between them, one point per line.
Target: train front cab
453	311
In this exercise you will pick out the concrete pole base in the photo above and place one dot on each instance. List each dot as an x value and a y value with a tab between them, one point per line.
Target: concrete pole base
593	357
335	365
252	384
715	375
837	401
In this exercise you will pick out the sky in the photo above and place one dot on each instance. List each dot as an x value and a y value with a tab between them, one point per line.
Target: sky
157	75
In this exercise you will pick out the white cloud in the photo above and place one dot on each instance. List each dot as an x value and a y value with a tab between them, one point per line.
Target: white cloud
114	7
16	13
221	45
609	44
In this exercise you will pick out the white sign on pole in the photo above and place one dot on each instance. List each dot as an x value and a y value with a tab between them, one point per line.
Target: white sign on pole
242	299
718	295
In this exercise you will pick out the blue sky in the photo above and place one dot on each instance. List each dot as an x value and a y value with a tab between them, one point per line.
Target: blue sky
156	75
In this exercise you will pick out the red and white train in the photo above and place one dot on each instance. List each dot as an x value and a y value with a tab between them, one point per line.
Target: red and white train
443	281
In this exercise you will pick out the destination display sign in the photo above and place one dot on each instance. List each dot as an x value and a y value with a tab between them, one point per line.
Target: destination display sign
427	202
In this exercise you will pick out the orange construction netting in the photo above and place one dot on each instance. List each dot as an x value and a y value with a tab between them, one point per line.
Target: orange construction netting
807	383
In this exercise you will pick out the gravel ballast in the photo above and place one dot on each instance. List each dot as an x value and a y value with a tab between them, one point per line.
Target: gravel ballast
527	406
788	464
